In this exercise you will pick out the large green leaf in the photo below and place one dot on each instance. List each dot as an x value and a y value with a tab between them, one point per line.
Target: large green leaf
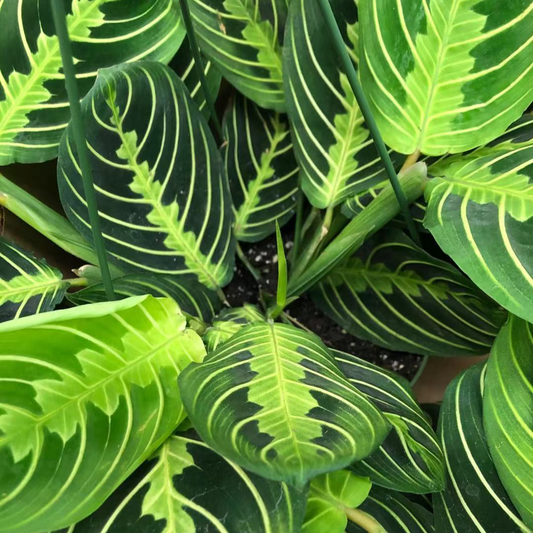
410	459
34	108
480	211
508	412
243	38
332	144
193	298
329	496
87	395
27	285
446	75
262	171
161	187
273	400
474	500
398	296
185	487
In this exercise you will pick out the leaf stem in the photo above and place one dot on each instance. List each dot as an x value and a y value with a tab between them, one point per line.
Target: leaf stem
199	67
364	520
420	370
410	160
298	227
245	261
77	282
351	73
78	128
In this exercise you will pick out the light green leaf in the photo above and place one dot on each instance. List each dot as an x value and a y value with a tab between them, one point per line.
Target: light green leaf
262	171
229	322
474	500
410	458
162	192
34	109
27	285
508	412
89	393
243	38
446	75
332	144
272	400
396	295
480	211
329	496
185	487
193	298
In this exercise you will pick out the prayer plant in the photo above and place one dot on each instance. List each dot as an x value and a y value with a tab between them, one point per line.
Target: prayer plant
145	403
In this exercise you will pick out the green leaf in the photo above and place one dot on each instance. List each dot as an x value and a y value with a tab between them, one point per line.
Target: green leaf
229	322
272	400
186	487
183	65
410	459
192	297
244	39
162	191
87	395
34	109
395	513
329	496
508	412
474	500
332	144
27	285
262	171
446	75
480	211
396	295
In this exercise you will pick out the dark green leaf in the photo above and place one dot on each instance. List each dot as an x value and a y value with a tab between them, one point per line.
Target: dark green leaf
161	187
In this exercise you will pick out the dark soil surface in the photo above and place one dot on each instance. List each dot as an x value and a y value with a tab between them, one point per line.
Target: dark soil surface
244	289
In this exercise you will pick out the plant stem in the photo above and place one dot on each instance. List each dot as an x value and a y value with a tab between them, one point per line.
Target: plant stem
222	297
199	67
346	61
78	128
242	256
420	370
364	520
410	160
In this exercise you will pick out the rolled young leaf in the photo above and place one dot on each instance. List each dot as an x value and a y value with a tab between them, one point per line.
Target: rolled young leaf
89	394
162	192
34	109
446	76
193	298
273	400
410	459
474	500
244	39
480	211
262	171
332	144
27	285
396	295
508	412
186	487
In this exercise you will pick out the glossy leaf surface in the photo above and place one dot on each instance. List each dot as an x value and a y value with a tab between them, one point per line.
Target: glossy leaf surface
89	393
273	400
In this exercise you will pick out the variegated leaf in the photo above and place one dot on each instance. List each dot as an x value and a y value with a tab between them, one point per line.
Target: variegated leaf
396	295
162	191
262	171
193	298
34	109
333	146
474	500
87	395
273	400
410	459
244	38
508	412
446	75
480	211
185	487
27	285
